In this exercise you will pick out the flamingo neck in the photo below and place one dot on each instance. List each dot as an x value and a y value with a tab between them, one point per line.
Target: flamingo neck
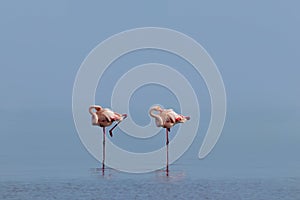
158	119
94	114
91	110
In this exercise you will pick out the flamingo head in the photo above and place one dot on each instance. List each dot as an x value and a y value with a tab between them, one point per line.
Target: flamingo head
182	119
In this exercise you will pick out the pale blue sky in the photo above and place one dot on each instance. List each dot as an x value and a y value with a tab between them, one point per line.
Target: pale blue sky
254	44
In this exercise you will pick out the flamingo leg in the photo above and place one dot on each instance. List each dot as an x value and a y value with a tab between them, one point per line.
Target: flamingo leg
167	143
110	131
103	156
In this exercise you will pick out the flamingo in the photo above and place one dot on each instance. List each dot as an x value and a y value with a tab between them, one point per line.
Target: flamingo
166	118
104	117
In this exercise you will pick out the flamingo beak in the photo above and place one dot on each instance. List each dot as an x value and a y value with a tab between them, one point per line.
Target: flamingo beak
178	119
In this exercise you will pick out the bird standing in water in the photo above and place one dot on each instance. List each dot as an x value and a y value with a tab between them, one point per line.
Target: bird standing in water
166	118
104	117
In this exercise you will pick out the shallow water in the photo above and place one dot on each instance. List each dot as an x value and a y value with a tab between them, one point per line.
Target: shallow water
151	186
180	184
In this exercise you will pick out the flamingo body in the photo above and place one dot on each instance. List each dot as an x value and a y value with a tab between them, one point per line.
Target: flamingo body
104	117
166	118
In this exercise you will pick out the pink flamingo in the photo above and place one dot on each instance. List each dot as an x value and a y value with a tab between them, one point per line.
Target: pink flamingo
166	118
104	117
